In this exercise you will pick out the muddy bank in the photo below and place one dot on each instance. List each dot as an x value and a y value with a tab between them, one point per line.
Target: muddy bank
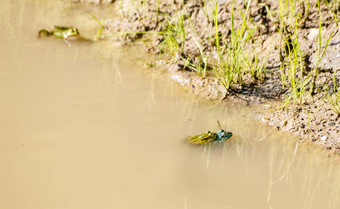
291	57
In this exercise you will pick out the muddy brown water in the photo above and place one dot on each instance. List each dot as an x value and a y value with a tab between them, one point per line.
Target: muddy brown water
84	126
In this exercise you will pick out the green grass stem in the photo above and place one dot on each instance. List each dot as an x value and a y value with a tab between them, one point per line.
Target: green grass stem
100	27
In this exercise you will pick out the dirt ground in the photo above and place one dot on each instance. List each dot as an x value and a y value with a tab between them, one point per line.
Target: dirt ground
312	120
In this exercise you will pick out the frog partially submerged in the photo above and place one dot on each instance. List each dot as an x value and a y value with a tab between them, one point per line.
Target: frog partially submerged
209	136
60	32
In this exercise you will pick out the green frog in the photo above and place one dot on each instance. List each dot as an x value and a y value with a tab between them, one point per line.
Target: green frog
60	32
209	136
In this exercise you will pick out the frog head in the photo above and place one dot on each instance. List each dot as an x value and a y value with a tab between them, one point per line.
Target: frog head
71	32
223	135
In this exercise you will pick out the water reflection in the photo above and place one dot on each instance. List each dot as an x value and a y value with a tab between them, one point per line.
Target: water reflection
294	170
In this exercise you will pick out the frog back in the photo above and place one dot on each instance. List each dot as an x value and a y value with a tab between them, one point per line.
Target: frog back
203	138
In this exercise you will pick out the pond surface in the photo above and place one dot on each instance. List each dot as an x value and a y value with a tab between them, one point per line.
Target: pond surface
83	126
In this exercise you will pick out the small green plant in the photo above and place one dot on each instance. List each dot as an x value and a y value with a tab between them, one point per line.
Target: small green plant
320	53
334	8
332	97
294	71
203	61
203	5
256	67
292	66
233	63
294	77
305	12
100	27
174	36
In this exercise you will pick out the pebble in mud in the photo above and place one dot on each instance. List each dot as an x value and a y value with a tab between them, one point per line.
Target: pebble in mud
331	123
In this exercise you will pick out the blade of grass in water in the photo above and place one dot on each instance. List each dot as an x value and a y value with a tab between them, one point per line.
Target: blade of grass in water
100	27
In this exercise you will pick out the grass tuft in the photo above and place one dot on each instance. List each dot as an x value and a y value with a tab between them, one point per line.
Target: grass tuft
100	27
234	61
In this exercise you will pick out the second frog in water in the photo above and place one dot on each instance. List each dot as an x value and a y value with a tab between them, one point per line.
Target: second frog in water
60	32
